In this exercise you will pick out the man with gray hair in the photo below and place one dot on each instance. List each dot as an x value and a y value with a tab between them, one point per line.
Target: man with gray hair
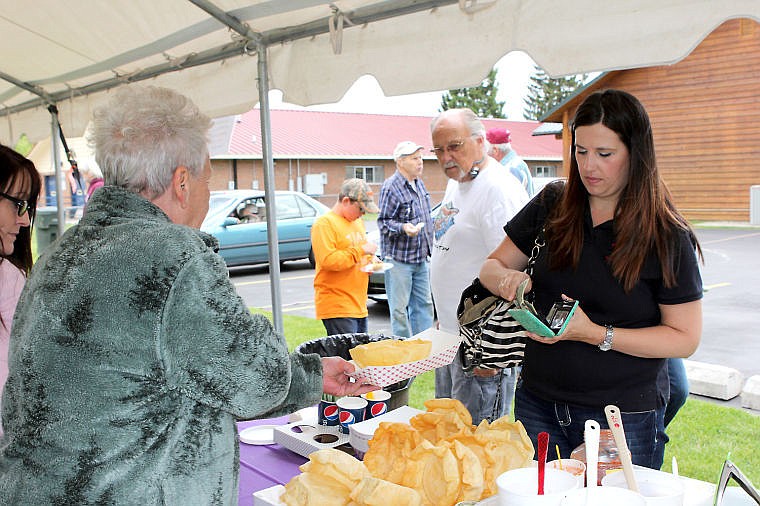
480	198
406	237
132	356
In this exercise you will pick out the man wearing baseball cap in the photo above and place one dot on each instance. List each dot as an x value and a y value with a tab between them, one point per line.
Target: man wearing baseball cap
339	242
406	240
501	149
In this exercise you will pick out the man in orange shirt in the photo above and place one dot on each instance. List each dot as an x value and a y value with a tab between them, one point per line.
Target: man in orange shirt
339	242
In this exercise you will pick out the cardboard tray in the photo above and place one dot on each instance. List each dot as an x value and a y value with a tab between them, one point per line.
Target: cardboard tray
445	347
304	443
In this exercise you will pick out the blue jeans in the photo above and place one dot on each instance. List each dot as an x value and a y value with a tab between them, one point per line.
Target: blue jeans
335	326
479	395
565	423
409	298
679	388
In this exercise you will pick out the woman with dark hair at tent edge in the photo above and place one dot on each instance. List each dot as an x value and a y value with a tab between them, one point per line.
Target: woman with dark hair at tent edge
616	243
19	189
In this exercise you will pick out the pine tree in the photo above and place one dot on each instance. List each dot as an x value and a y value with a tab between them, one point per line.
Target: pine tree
481	99
545	93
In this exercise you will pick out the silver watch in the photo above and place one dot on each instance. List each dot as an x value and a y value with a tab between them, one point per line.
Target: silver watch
606	345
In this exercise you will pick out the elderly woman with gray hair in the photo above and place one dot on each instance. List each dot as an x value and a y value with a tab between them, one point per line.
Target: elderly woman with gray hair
132	355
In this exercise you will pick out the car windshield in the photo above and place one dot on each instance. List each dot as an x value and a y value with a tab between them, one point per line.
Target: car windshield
218	202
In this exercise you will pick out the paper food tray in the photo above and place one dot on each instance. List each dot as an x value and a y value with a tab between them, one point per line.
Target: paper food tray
303	443
445	347
269	496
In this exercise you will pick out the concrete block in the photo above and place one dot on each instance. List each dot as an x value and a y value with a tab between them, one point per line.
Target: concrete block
751	393
716	381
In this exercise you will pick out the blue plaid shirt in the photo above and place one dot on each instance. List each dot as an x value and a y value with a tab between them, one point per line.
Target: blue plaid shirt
404	202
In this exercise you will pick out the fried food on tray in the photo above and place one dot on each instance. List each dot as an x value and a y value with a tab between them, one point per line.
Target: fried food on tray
390	352
336	465
436	426
433	471
444	405
389	450
439	455
471	471
327	478
373	491
309	489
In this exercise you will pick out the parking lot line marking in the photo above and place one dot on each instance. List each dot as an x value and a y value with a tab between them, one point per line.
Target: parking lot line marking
742	236
266	281
716	285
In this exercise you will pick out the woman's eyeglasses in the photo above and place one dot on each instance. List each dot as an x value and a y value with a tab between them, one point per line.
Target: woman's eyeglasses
21	205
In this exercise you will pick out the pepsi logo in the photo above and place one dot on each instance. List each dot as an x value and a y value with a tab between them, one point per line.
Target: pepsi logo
331	412
378	408
346	417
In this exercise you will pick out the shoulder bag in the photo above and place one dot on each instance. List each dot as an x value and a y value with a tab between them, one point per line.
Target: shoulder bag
491	338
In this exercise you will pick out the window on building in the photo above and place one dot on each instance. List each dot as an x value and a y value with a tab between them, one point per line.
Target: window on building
545	170
370	173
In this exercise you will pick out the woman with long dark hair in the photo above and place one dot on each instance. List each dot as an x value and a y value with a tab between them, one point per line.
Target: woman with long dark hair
616	243
19	189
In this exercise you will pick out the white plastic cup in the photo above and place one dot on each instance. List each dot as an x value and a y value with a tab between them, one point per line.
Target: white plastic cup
603	496
572	466
658	488
519	487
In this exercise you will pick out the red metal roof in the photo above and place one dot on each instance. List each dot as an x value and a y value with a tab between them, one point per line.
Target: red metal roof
300	134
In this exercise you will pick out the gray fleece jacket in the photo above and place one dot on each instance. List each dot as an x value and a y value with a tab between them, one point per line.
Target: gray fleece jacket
131	358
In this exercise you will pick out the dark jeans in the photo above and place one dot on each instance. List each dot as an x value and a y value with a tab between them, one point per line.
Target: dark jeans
644	430
679	388
336	326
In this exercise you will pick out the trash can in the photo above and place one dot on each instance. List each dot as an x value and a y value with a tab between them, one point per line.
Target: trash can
339	346
45	227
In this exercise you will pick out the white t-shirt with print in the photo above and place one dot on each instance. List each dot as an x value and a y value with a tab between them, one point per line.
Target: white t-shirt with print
467	228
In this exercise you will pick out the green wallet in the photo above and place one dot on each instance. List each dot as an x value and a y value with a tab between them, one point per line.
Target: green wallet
527	316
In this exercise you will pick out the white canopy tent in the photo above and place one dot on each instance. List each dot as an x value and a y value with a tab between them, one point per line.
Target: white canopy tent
71	54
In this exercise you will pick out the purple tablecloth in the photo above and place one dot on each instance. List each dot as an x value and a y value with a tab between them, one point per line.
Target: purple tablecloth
266	465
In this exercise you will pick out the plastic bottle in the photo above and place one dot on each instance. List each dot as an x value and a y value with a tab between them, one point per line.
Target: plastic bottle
608	454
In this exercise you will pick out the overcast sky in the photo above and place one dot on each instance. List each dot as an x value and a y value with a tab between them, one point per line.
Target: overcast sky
513	77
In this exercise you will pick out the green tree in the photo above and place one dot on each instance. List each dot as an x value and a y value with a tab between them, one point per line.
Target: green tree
481	99
545	93
23	146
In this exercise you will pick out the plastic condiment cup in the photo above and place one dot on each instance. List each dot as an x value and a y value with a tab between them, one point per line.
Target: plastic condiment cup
572	466
603	496
658	488
519	487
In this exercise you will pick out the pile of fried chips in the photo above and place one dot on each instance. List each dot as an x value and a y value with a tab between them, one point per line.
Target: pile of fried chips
438	459
389	352
446	459
336	478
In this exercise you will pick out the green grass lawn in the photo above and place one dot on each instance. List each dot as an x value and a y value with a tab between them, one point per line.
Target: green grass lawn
701	436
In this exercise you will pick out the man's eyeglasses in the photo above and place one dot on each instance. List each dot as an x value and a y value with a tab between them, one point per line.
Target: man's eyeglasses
451	147
22	205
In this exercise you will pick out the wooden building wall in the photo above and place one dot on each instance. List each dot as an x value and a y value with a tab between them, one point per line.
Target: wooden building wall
704	113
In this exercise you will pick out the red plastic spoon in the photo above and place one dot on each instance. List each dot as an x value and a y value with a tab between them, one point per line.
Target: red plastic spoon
543	447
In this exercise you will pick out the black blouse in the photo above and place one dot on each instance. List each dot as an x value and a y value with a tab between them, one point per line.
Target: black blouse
578	373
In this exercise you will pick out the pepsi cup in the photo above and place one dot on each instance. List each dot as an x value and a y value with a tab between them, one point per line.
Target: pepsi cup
377	403
327	413
350	411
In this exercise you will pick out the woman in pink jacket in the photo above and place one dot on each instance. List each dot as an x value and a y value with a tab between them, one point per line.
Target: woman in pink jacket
19	189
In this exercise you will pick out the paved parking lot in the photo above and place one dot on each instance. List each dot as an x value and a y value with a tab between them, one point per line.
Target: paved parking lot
731	305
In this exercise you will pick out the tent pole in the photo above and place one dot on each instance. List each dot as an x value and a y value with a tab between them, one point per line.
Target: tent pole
269	188
55	127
